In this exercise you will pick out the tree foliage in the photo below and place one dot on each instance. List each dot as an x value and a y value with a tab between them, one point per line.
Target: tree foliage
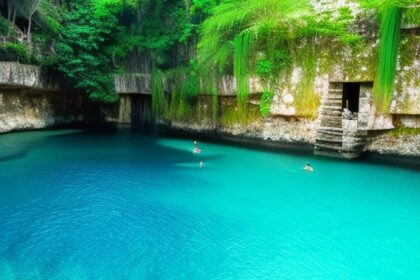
83	58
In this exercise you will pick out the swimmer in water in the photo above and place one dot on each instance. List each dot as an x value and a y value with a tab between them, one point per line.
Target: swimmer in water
308	167
201	164
196	150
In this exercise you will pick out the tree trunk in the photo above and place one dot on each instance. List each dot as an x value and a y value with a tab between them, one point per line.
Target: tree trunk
9	11
14	14
31	13
29	28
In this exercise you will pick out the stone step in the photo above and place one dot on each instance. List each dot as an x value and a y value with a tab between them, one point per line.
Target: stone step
330	111
335	90
334	95
332	101
337	129
330	132
329	123
328	141
329	136
331	146
331	107
335	98
333	114
333	104
331	117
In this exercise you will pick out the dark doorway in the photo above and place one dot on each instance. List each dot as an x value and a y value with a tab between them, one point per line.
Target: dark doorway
351	93
142	119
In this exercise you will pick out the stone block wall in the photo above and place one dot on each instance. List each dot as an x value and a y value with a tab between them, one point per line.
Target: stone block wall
14	74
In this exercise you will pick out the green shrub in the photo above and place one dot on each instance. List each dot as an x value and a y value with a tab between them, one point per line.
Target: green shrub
4	26
412	16
265	104
11	51
404	131
230	116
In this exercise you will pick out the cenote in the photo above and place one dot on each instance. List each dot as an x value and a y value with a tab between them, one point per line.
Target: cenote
82	205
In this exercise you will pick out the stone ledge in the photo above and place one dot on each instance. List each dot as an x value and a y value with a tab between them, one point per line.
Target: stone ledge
16	75
133	84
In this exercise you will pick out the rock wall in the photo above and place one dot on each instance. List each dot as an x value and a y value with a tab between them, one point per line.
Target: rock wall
297	133
407	86
391	144
30	99
22	109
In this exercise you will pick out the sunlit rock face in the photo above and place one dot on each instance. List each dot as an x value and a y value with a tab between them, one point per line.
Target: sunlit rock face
407	145
410	121
33	110
29	99
407	87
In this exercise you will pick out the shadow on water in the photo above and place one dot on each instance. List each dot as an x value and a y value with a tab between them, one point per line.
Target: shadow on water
14	156
128	147
17	145
406	162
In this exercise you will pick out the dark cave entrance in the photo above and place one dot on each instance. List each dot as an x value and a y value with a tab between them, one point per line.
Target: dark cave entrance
351	94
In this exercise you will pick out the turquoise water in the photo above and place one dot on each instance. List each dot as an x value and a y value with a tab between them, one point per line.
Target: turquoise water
77	205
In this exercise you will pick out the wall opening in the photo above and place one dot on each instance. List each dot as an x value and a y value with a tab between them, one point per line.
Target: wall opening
351	94
142	119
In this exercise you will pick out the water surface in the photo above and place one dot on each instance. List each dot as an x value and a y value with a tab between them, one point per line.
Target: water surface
78	205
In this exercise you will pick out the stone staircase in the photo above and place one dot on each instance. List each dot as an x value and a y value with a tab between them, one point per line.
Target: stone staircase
339	134
329	138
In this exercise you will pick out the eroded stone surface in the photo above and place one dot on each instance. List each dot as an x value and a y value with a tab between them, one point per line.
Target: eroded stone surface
407	145
20	111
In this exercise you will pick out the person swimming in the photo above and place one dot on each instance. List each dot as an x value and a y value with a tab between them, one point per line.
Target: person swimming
196	150
201	164
308	167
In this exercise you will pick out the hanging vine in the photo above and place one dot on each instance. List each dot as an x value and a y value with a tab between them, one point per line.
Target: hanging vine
242	46
159	103
390	33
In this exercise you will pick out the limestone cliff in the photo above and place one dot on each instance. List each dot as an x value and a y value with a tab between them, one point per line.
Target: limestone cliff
29	99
